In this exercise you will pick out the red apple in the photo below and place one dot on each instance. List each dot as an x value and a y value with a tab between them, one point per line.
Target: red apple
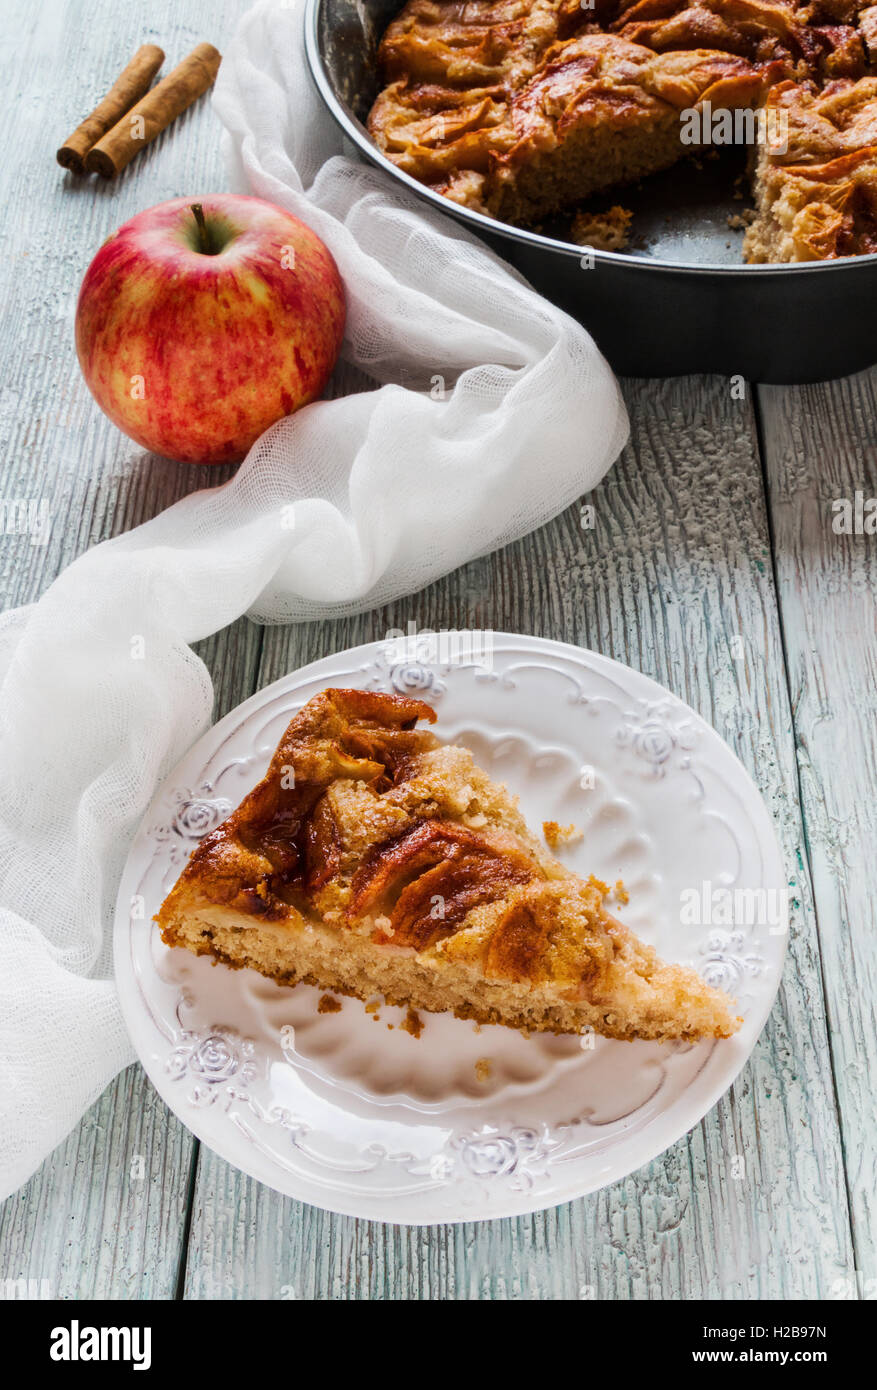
203	320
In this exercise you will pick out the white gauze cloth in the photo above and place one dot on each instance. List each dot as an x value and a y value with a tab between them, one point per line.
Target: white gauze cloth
387	489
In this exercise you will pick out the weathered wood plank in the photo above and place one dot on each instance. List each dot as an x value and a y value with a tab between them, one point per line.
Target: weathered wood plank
678	565
94	1221
821	447
104	1216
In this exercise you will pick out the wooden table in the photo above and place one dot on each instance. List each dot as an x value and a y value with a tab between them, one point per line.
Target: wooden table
713	567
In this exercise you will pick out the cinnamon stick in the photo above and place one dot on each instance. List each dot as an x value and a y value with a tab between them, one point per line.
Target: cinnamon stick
154	112
131	84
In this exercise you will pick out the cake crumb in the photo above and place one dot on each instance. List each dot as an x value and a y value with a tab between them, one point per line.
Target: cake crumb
328	1005
602	231
558	835
483	1069
372	1006
412	1023
740	220
621	893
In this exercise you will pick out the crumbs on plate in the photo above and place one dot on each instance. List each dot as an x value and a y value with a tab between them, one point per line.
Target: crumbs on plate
558	835
412	1023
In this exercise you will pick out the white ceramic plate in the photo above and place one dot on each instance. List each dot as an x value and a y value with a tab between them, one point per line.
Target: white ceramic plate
339	1109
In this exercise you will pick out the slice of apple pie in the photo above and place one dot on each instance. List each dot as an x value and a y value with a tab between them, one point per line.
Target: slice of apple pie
371	859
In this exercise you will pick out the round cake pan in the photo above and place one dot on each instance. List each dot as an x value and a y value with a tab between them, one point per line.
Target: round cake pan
680	301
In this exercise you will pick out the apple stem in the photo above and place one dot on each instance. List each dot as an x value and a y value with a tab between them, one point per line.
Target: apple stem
203	235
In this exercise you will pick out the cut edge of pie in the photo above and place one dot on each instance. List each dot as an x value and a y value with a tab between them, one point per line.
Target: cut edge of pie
373	860
816	195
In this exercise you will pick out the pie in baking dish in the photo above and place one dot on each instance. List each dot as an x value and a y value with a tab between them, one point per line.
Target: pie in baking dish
372	859
520	109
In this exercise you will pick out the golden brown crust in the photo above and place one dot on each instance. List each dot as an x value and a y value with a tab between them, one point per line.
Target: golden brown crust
372	859
760	31
471	44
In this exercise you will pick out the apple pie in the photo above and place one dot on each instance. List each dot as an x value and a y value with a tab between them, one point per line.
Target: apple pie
374	860
522	109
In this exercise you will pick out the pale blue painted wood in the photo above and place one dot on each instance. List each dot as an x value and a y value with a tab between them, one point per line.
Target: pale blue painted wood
821	448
